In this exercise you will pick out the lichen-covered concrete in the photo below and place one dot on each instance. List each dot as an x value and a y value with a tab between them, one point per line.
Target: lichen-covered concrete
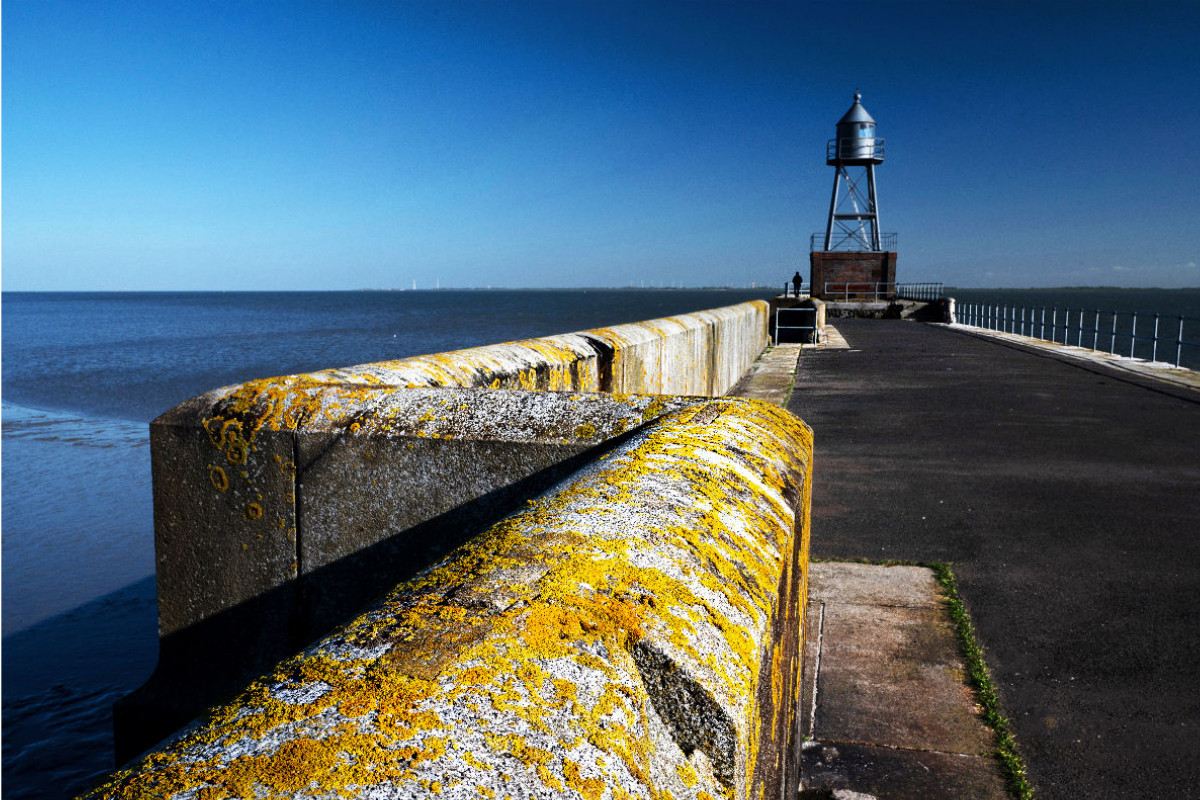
284	505
634	631
702	353
229	465
266	538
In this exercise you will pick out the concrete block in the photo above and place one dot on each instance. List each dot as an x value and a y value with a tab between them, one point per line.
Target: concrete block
863	772
423	470
276	521
703	353
283	505
886	709
224	514
634	631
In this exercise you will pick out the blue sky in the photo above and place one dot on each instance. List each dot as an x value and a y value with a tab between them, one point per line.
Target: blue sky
319	145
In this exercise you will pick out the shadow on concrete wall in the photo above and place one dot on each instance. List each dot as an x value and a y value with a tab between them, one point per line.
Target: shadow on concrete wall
206	663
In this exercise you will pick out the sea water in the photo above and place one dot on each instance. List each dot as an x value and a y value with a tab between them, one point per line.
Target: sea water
83	374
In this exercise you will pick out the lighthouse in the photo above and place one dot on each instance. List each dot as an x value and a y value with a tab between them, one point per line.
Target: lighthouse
852	259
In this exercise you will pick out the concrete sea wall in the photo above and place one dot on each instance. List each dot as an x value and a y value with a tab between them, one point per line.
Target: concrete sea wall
284	506
633	631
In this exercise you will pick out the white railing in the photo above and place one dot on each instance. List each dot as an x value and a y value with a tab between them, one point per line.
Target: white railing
920	291
858	291
1115	332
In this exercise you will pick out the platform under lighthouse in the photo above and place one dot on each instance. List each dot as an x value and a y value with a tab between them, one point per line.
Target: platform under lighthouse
852	259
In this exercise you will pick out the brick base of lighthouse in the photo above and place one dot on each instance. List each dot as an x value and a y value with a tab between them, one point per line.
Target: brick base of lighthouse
853	276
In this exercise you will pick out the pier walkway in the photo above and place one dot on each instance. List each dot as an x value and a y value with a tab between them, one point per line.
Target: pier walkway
1065	497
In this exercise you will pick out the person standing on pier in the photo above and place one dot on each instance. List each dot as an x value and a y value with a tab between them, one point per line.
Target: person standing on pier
797	282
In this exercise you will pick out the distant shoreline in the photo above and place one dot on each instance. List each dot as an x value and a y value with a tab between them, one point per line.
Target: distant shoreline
763	289
1074	289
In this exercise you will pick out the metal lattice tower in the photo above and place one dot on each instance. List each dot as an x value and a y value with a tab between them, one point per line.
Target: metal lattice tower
854	209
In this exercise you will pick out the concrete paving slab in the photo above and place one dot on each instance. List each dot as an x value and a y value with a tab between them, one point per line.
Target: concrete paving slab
891	675
871	584
885	707
857	772
770	377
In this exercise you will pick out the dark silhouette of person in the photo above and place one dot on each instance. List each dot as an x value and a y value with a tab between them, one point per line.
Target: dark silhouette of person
797	282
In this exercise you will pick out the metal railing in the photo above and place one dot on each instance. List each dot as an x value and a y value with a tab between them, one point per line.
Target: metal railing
919	291
841	240
835	290
811	313
854	150
789	290
1114	332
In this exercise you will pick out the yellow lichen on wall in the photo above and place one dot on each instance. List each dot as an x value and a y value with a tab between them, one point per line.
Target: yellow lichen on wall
465	674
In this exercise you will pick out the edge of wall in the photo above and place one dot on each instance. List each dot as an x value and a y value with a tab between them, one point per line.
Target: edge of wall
277	500
637	628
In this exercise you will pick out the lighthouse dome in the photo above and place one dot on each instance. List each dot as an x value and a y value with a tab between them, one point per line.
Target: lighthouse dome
857	114
856	142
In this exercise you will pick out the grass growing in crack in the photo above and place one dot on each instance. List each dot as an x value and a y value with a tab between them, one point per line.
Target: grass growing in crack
980	679
787	393
978	675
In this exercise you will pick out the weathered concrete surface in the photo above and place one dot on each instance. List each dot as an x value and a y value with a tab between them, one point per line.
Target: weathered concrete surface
267	537
703	353
1063	494
273	497
634	632
355	472
886	710
228	462
770	378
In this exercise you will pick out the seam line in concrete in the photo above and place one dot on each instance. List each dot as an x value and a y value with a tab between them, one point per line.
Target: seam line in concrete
296	495
812	716
880	746
849	604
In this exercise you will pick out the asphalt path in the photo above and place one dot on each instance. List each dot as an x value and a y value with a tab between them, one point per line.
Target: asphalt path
1067	499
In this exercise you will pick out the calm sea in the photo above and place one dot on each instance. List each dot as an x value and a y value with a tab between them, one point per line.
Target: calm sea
83	374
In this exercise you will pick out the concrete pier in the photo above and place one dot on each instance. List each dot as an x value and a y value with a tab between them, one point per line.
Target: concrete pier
1063	493
285	505
1059	489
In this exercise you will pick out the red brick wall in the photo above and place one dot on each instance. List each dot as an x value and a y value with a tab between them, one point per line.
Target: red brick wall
851	268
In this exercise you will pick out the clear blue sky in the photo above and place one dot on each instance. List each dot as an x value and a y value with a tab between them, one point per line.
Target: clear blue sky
345	145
